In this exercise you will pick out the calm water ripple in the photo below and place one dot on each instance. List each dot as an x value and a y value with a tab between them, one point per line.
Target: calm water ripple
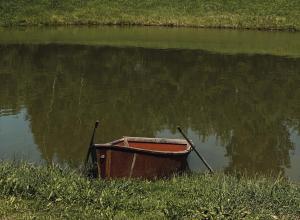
242	111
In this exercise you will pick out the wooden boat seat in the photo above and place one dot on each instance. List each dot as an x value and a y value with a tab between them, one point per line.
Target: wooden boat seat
154	146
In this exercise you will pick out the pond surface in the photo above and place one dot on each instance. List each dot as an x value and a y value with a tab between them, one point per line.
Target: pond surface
239	104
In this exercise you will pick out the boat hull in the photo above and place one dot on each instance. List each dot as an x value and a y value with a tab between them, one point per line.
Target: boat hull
114	160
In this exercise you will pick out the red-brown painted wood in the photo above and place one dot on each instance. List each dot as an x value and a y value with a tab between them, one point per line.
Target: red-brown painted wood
142	158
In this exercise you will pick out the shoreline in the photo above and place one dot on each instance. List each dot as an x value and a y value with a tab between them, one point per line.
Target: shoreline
32	191
120	25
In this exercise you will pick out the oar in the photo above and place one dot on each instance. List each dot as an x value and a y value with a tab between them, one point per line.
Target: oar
194	148
91	144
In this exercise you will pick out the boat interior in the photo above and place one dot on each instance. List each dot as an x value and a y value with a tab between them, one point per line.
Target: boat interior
167	147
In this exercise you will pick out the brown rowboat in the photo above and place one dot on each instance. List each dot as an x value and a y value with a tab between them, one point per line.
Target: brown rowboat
137	157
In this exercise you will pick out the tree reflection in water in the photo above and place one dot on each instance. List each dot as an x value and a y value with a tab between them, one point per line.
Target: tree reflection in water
249	102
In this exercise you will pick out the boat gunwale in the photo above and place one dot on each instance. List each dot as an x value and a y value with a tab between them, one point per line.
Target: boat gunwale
113	145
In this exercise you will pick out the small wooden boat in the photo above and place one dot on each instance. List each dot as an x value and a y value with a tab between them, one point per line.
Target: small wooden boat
139	157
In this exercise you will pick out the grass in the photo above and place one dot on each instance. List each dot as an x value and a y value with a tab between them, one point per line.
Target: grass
256	14
31	191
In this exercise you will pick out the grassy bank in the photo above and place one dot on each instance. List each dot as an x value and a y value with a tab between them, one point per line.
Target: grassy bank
257	14
29	191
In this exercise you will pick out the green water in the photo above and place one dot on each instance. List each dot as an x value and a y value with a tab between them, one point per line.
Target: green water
214	40
240	104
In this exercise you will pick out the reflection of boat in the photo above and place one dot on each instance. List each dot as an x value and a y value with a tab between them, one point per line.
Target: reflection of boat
140	157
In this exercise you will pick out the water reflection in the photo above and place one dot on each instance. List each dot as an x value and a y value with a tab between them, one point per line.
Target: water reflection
247	104
16	138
